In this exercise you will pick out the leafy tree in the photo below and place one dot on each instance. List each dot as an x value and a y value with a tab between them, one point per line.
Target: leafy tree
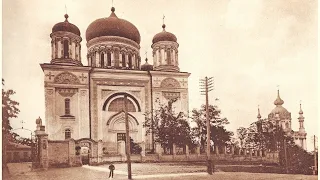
9	110
242	135
169	128
219	135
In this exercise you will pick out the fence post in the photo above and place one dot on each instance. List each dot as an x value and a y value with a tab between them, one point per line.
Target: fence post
43	161
217	150
187	151
232	149
198	150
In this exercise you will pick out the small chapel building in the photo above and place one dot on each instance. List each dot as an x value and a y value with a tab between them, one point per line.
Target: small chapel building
88	101
280	116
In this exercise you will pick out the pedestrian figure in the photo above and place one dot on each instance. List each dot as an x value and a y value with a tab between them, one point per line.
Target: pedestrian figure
111	167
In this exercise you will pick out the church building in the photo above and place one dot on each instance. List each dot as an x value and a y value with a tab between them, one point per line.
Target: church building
88	101
282	117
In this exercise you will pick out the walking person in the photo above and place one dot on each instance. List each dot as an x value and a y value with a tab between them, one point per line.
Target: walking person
112	168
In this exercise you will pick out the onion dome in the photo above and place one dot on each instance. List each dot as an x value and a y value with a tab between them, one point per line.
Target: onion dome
66	26
146	66
164	36
112	26
278	101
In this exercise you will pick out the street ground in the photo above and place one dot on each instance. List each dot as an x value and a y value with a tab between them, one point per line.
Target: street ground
173	171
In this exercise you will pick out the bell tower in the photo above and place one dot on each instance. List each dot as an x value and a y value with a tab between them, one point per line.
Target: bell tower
65	44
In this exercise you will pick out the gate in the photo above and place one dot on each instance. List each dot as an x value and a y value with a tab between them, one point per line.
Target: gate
85	146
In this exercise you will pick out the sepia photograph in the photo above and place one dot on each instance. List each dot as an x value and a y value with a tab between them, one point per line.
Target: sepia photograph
160	89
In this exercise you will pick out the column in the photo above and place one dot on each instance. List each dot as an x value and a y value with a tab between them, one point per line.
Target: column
52	49
158	57
217	150
187	150
97	59
73	50
198	150
255	152
250	152
158	149
177	59
79	45
174	149
112	59
174	57
155	62
232	149
120	59
59	43
134	62
260	153
163	58
127	60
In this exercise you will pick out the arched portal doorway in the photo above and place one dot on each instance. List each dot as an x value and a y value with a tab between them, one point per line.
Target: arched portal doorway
113	116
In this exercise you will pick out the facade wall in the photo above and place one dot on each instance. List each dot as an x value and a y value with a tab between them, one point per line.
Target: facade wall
63	83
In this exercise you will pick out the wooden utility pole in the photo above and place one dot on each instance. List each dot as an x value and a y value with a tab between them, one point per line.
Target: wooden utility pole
127	137
207	85
315	155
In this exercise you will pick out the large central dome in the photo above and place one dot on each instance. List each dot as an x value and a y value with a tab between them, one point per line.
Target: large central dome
113	26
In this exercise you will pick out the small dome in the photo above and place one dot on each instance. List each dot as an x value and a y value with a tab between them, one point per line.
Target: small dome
66	26
146	66
164	36
112	26
278	101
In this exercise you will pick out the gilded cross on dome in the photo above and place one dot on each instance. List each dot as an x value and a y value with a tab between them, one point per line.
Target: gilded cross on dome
49	75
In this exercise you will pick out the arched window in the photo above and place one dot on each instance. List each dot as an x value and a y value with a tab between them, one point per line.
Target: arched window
65	49
102	59
118	105
130	61
67	134
123	60
67	106
109	59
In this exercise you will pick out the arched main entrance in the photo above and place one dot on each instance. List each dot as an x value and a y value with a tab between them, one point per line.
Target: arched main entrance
114	130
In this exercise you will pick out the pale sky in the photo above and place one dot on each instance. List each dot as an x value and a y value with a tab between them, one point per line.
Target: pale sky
249	46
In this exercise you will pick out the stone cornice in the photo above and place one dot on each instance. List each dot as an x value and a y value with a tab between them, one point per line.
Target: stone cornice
112	40
47	66
61	34
119	82
54	85
164	44
119	71
169	74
